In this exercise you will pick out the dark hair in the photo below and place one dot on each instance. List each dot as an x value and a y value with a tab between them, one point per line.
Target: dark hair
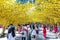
30	26
33	27
19	25
37	26
44	26
9	31
13	31
11	24
56	24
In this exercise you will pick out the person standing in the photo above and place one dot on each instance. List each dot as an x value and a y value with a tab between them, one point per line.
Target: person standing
11	32
19	28
24	34
29	32
33	34
1	30
55	28
44	31
51	28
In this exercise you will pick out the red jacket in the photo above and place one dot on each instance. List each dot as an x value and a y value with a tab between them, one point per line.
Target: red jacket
44	31
55	29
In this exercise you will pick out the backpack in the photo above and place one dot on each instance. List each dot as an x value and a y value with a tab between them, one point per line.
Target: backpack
22	33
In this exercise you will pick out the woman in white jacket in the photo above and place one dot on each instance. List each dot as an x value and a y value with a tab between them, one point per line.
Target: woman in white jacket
33	34
11	33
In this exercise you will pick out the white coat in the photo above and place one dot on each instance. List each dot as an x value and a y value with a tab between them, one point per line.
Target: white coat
10	37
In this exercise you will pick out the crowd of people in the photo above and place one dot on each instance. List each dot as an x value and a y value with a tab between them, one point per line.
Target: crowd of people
30	31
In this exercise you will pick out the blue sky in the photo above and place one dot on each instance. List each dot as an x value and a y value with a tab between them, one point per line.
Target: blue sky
25	1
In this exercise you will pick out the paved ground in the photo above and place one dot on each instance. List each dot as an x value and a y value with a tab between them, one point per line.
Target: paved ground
50	36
